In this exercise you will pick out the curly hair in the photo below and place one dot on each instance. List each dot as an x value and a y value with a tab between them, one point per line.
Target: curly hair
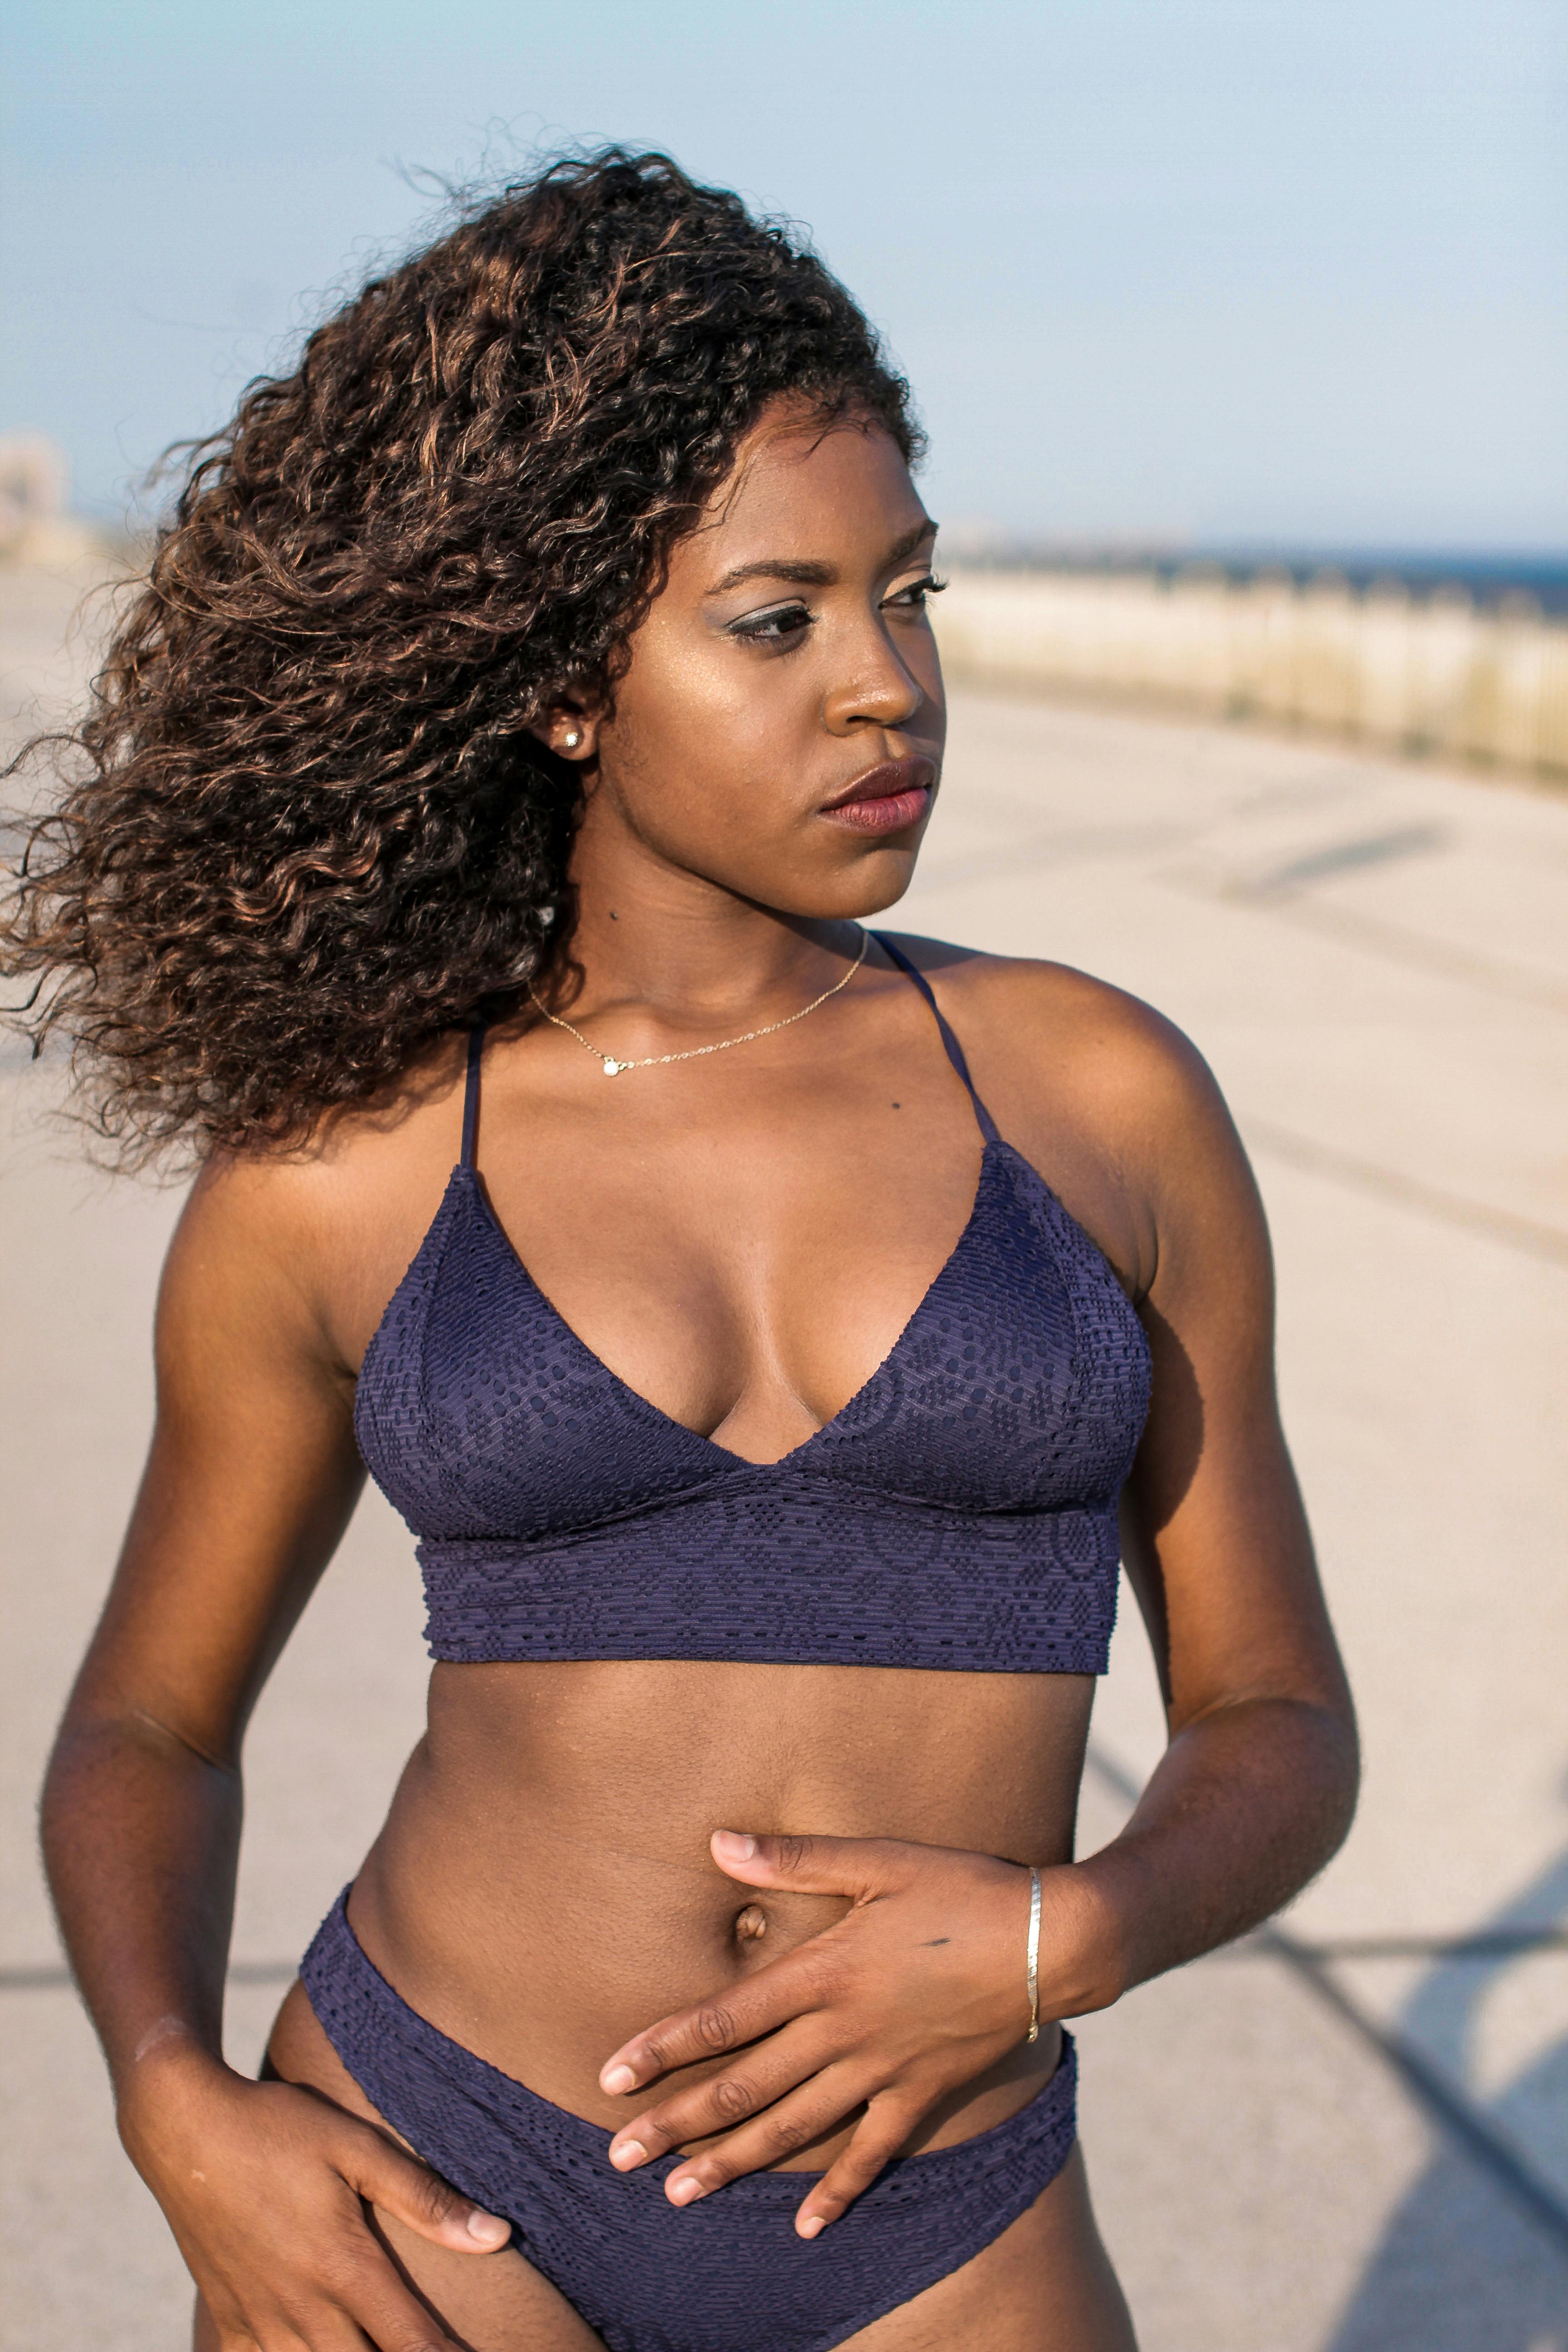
304	824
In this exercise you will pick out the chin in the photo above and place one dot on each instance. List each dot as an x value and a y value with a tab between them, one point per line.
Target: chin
873	882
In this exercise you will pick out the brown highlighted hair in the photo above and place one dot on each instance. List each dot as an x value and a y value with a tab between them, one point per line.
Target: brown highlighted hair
304	824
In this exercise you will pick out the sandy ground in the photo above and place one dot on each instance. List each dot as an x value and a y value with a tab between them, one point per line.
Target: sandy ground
1350	2136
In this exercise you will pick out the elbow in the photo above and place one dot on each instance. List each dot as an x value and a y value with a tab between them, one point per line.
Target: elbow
1317	1771
1342	1744
115	1764
1300	1753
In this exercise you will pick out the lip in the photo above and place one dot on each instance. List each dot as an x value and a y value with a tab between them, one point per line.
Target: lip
887	798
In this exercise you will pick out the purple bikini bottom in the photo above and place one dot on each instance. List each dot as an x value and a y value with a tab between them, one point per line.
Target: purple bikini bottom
727	2274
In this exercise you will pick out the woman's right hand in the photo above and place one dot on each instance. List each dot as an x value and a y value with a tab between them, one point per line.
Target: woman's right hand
266	2188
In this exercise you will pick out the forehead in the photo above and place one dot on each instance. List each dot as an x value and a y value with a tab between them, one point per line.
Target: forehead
801	488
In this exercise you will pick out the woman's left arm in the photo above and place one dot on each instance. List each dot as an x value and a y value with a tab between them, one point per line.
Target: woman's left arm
919	1987
1257	1785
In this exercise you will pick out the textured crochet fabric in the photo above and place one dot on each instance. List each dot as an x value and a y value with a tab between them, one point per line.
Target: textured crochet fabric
959	1512
728	2274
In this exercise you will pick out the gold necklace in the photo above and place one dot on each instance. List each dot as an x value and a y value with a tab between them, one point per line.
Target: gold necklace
613	1069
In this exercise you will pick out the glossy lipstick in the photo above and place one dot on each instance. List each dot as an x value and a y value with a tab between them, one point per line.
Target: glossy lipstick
887	798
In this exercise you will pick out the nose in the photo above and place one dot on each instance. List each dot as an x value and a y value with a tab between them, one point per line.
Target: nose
877	687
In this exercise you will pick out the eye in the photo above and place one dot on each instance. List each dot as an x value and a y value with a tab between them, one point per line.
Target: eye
912	599
783	625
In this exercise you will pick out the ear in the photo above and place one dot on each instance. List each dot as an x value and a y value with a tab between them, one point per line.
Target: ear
571	732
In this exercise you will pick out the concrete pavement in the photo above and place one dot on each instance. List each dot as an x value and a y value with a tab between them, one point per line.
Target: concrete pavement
1350	2138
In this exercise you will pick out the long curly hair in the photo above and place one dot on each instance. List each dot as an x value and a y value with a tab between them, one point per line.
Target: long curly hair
304	825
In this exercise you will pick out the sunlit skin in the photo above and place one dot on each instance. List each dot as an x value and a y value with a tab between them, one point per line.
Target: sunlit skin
584	1863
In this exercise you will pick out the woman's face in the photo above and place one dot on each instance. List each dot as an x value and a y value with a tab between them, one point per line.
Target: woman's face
779	729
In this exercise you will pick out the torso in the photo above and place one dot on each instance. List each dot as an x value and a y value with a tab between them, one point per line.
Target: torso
741	1241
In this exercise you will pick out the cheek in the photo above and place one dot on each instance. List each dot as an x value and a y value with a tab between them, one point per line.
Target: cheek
700	693
700	747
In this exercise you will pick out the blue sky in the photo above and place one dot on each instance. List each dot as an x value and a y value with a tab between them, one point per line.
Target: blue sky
1219	269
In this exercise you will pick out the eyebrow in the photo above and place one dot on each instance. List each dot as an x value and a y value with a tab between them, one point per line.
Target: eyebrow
805	573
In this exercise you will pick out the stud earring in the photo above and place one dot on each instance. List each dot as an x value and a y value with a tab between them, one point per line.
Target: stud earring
572	739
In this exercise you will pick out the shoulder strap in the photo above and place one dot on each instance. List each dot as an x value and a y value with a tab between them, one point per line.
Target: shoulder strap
987	1124
471	1095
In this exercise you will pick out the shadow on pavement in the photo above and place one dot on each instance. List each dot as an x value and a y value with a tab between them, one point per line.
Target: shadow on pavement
1460	2267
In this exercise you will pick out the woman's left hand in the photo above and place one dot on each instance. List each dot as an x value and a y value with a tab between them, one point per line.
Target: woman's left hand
916	1990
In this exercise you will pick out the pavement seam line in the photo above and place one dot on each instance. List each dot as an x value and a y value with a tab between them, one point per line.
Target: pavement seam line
1509	2167
1400	943
1487	1944
1374	935
1328	1160
56	1977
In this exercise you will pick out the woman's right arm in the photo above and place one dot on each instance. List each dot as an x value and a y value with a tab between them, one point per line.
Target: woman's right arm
251	1478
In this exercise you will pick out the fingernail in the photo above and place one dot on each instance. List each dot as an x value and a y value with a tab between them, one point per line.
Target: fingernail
617	2078
811	2227
681	2192
487	2230
734	1845
626	2152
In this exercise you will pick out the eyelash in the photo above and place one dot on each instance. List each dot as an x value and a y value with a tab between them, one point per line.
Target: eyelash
760	629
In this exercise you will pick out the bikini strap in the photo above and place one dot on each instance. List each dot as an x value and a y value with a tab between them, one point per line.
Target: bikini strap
471	1095
987	1124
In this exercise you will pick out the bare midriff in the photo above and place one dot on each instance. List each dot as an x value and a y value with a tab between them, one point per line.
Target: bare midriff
543	1888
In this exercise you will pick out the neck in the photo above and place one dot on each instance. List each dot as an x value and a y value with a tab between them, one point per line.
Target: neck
684	948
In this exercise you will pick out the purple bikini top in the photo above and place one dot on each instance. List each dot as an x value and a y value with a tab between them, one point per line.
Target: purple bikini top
961	1511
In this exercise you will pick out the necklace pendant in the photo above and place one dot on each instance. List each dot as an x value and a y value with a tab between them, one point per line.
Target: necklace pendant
612	1069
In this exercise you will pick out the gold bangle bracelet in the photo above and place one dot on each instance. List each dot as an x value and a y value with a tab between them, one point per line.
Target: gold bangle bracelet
1034	2032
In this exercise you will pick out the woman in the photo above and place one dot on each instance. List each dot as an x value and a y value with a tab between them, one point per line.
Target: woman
532	689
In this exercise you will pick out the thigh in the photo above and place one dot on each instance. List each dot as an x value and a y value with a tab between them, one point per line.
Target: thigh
486	2303
1046	2284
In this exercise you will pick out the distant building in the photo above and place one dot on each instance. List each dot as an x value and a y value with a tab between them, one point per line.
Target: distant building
34	527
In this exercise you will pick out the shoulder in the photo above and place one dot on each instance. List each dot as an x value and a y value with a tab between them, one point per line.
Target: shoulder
1023	1018
1104	1094
308	1239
